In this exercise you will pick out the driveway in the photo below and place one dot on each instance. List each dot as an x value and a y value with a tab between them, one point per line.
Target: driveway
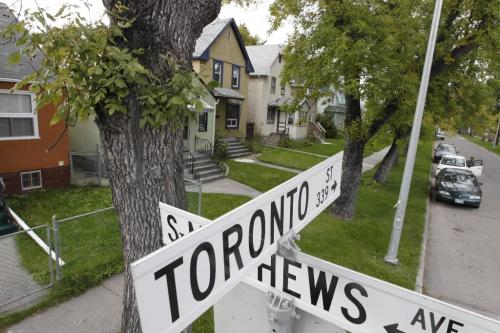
463	248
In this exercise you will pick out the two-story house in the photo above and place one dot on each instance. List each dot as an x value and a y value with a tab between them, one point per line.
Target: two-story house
269	94
26	163
334	105
220	55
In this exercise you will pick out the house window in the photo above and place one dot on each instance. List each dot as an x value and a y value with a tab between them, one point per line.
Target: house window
235	83
18	119
202	122
283	87
273	85
31	180
290	119
218	72
271	114
340	98
228	33
280	56
232	116
310	117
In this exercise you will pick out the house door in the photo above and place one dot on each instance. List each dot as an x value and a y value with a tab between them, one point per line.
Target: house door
232	116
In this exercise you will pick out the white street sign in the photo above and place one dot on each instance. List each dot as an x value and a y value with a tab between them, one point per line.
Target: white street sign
176	223
177	283
352	300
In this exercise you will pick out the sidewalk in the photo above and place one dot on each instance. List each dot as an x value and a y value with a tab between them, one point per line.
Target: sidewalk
99	309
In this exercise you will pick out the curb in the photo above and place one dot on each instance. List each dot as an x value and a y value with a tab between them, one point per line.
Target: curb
419	282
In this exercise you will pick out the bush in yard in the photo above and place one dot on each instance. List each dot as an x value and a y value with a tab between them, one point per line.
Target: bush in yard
326	120
220	149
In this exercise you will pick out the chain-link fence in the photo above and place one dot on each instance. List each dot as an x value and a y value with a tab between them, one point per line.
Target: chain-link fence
90	243
87	168
20	276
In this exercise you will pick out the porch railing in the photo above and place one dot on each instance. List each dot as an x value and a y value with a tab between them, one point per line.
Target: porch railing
203	146
317	130
188	160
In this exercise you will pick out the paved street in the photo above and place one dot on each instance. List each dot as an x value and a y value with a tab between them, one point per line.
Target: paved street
463	249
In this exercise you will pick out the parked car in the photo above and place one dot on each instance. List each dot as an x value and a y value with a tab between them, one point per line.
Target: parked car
459	162
443	149
458	186
439	135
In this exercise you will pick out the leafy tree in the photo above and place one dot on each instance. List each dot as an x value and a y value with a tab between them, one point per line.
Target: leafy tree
374	51
247	36
134	77
356	47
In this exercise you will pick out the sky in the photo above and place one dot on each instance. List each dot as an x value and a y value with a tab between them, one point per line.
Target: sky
256	17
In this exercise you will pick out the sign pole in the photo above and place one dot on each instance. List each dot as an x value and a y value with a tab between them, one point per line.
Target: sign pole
392	253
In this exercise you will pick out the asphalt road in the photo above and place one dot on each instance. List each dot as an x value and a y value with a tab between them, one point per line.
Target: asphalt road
463	244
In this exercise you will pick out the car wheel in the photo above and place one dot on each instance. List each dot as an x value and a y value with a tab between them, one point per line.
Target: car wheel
477	206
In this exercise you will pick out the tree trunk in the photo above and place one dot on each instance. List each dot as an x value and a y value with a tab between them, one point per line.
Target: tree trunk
389	160
145	165
352	163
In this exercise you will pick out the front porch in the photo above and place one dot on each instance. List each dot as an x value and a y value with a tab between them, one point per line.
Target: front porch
230	113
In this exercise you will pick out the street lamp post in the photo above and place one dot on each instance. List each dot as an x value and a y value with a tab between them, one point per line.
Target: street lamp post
392	252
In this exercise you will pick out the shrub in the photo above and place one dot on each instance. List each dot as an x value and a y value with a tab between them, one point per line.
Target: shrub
326	120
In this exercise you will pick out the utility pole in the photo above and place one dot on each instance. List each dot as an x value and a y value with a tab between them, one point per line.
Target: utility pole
392	253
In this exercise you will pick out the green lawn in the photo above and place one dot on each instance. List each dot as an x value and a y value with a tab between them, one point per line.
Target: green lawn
287	158
362	244
330	148
259	177
484	144
91	246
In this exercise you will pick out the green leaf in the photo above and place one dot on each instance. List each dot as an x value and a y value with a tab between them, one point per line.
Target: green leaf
56	118
14	58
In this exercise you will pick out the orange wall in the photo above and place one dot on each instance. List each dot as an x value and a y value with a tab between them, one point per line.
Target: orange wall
21	155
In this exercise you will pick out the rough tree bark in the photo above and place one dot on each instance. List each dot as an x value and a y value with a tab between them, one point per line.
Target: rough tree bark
389	160
352	163
145	164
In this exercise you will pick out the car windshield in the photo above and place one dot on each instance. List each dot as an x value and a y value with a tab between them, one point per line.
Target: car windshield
453	161
446	148
460	178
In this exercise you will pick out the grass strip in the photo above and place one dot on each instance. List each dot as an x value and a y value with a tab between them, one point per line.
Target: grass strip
257	176
362	244
91	246
287	158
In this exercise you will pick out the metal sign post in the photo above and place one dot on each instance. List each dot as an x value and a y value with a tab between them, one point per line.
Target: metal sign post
177	283
392	254
343	297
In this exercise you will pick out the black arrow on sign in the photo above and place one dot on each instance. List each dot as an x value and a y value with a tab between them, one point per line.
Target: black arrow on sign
393	328
334	186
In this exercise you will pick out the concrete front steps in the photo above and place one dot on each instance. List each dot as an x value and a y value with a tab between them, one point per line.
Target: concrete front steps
205	169
272	140
235	148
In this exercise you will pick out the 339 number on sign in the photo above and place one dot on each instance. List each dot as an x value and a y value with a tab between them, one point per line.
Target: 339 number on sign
322	195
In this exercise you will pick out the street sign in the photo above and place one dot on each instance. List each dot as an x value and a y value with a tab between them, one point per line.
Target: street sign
177	283
176	223
349	299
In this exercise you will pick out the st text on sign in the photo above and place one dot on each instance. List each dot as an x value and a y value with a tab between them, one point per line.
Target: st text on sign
177	283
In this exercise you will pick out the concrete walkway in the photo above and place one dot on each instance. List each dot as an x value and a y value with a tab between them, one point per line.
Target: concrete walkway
99	309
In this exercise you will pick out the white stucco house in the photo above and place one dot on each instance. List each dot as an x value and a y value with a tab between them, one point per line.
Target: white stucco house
267	94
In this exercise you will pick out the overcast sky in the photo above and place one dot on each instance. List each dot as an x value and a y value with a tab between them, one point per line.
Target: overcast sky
256	17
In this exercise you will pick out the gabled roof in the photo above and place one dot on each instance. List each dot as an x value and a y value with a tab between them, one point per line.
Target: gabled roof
7	71
210	34
263	57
